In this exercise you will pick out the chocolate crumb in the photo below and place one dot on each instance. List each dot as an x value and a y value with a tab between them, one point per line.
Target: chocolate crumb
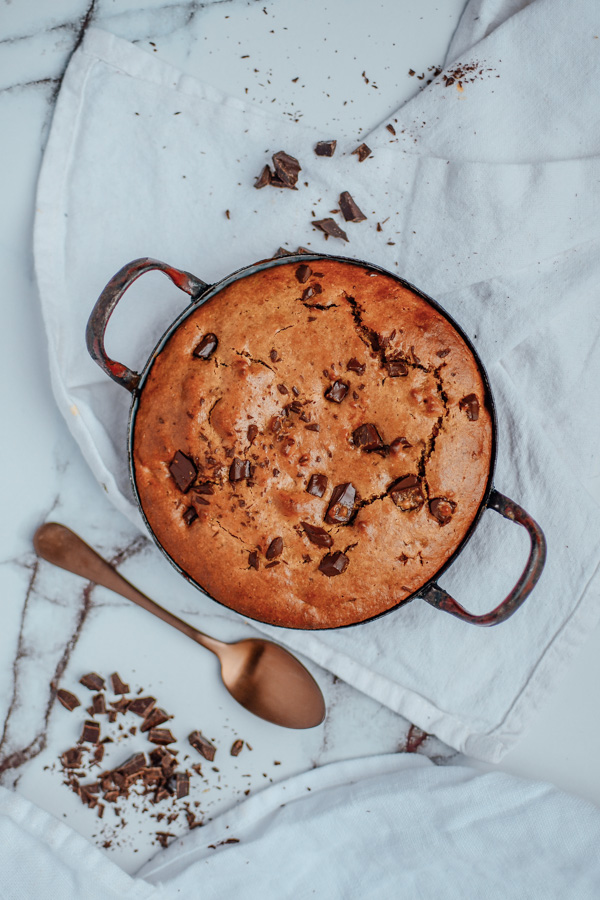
325	148
366	437
253	559
190	515
353	365
470	405
407	493
442	509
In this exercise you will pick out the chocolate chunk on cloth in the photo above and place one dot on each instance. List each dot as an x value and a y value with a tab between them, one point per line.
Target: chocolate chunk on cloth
286	169
407	493
470	405
317	535
350	210
334	564
341	505
362	151
263	180
442	509
330	228
118	686
317	484
202	745
92	681
68	700
183	471
367	437
206	347
325	148
337	391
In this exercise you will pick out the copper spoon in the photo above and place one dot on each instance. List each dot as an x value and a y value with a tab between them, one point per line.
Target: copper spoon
263	677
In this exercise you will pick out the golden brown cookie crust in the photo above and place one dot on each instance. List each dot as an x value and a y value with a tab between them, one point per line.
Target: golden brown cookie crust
251	409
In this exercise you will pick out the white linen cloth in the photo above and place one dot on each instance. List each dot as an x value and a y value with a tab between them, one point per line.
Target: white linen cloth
490	194
382	827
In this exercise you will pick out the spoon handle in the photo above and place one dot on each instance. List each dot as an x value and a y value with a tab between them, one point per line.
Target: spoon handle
59	545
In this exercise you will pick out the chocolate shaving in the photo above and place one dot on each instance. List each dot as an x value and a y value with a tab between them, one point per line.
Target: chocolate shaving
155	717
236	747
330	228
68	700
90	733
93	681
141	706
183	471
317	535
362	151
341	504
325	148
160	736
202	745
334	564
350	210
206	347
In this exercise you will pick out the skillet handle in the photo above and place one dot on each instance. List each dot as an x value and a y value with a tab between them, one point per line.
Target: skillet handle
105	306
438	597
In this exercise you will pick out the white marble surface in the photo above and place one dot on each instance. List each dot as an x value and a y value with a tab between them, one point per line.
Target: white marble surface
55	627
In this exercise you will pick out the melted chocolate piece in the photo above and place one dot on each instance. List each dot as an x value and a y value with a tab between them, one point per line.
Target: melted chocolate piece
443	353
367	437
334	564
350	210
206	347
118	686
407	493
325	148
253	559
317	484
93	681
68	700
353	365
341	504
202	745
337	391
362	151
90	733
282	389
398	443
239	469
442	509
317	535
190	515
329	227
183	471
262	181
396	368
470	405
303	273
286	169
275	547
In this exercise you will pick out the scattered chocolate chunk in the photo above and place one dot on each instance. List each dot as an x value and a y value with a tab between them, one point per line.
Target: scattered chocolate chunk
190	515
236	747
183	471
396	368
71	759
253	559
303	273
281	251
325	148
313	427
442	509
286	169
263	180
350	210
317	484
399	443
68	700
202	745
160	736
341	504
391	129
367	437
443	353
275	548
362	151
91	732
317	535
353	365
155	717
141	706
98	707
407	493
205	487
273	355
334	564
182	785
92	681
163	837
251	433
239	469
470	405
133	765
330	228
118	686
337	391
206	347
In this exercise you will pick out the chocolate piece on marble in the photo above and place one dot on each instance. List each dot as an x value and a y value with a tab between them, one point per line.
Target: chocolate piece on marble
317	484
71	759
236	747
160	736
133	765
350	210
155	717
90	733
262	181
118	686
286	168
182	785
183	471
317	535
334	564
202	745
442	509
141	706
325	148
341	505
98	707
68	700
92	681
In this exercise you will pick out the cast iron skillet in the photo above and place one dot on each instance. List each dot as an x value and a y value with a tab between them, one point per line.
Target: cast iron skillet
200	292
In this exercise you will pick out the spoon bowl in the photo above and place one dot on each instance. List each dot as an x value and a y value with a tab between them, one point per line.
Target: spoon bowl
262	676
